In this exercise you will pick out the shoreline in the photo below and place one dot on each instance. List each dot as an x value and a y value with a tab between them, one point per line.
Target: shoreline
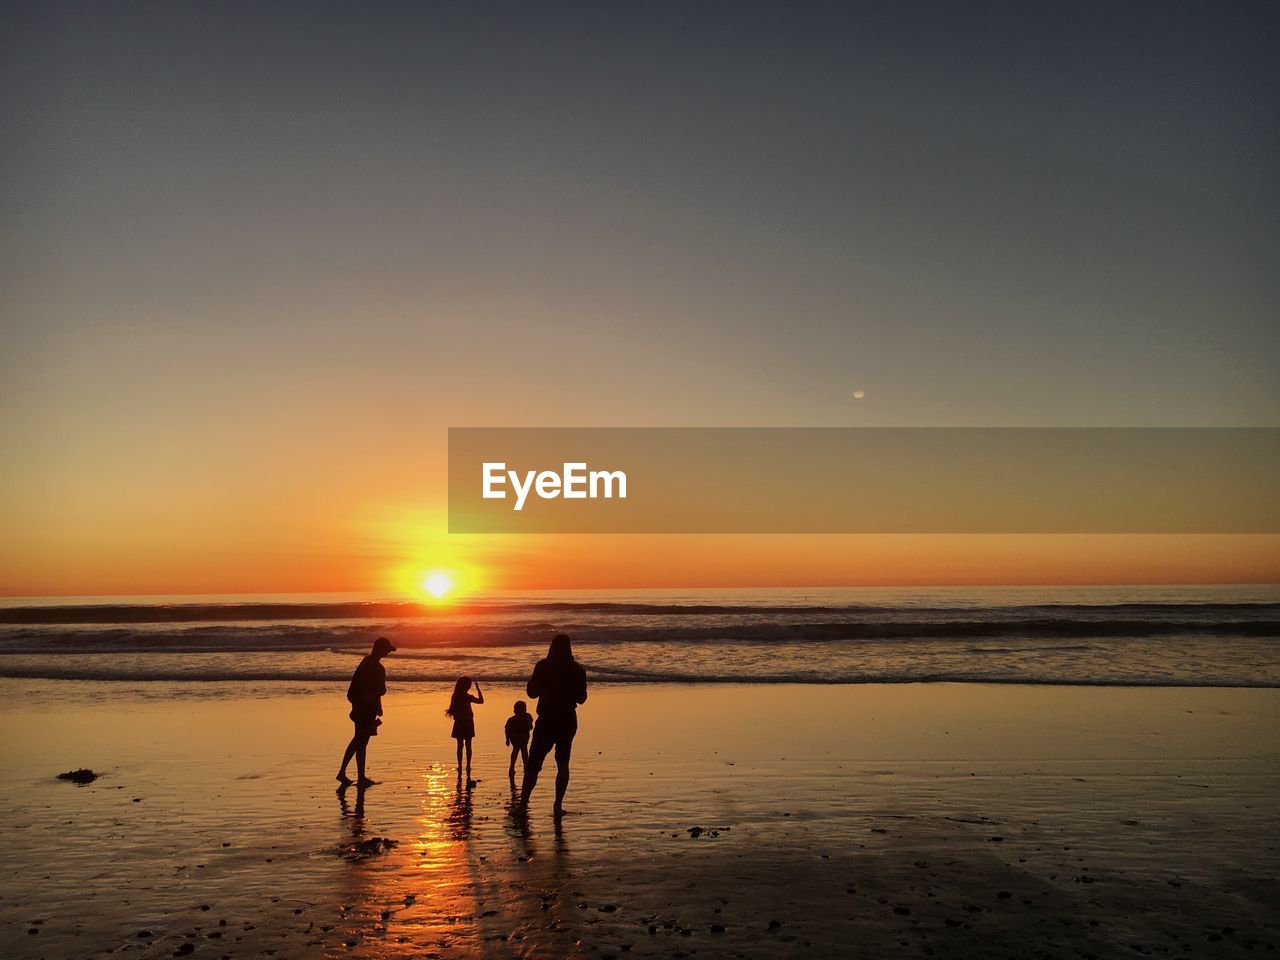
884	819
445	679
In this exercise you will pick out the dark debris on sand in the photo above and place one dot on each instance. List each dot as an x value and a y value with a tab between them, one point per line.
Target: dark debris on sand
374	846
696	832
79	777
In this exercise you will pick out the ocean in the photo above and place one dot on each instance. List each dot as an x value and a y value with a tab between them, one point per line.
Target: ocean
1226	636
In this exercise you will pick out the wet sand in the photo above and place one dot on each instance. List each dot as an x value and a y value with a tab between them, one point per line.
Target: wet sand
704	821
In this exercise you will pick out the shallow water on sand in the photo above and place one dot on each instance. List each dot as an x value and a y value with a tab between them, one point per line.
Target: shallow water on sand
879	821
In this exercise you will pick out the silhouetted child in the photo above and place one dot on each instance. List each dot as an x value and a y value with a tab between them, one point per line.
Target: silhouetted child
464	721
518	726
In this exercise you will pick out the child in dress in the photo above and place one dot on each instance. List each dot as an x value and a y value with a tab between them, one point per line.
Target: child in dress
518	726
464	721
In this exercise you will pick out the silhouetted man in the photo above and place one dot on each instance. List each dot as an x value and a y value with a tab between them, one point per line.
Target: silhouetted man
559	684
368	684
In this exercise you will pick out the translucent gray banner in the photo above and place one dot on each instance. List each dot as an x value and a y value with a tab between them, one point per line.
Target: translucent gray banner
864	480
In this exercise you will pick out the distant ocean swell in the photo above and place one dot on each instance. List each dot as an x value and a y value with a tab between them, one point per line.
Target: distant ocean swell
395	611
743	638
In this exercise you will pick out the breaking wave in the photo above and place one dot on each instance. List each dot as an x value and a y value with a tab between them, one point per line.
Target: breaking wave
399	610
1188	638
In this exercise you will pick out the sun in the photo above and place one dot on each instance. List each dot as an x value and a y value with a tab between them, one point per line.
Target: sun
437	584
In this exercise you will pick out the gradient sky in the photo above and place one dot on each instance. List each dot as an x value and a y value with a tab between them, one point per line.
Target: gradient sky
257	257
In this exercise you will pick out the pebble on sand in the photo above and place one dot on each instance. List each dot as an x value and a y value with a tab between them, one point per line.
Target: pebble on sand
81	776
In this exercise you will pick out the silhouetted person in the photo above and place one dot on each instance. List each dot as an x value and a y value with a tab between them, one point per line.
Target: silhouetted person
517	730
464	721
559	684
368	684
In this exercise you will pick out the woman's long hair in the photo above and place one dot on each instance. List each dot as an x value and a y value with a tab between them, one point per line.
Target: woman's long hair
561	650
461	690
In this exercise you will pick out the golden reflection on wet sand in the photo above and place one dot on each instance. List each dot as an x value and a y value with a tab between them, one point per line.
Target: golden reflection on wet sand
450	888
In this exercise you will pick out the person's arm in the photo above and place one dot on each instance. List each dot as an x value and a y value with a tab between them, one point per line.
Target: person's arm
534	687
479	697
581	692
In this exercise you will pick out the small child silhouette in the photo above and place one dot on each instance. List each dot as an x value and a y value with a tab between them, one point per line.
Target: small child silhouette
464	723
518	726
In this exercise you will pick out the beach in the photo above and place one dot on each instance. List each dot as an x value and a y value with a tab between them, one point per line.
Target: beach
726	820
849	427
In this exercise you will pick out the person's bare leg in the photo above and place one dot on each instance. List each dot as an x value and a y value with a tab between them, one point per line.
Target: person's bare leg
511	770
524	756
361	750
346	759
562	784
527	784
468	758
459	756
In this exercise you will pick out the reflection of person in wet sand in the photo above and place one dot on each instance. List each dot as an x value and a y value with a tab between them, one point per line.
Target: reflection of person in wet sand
368	684
459	816
559	684
464	721
354	815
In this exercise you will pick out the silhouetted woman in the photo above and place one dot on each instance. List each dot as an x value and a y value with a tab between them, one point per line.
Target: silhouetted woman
559	684
368	684
464	721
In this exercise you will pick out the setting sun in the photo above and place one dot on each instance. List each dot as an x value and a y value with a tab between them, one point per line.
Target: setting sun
437	584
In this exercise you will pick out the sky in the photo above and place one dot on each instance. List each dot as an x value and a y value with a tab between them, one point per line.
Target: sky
257	258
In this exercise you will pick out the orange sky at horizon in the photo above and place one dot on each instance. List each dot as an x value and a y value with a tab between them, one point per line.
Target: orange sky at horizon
263	503
262	499
258	259
478	565
281	490
256	504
